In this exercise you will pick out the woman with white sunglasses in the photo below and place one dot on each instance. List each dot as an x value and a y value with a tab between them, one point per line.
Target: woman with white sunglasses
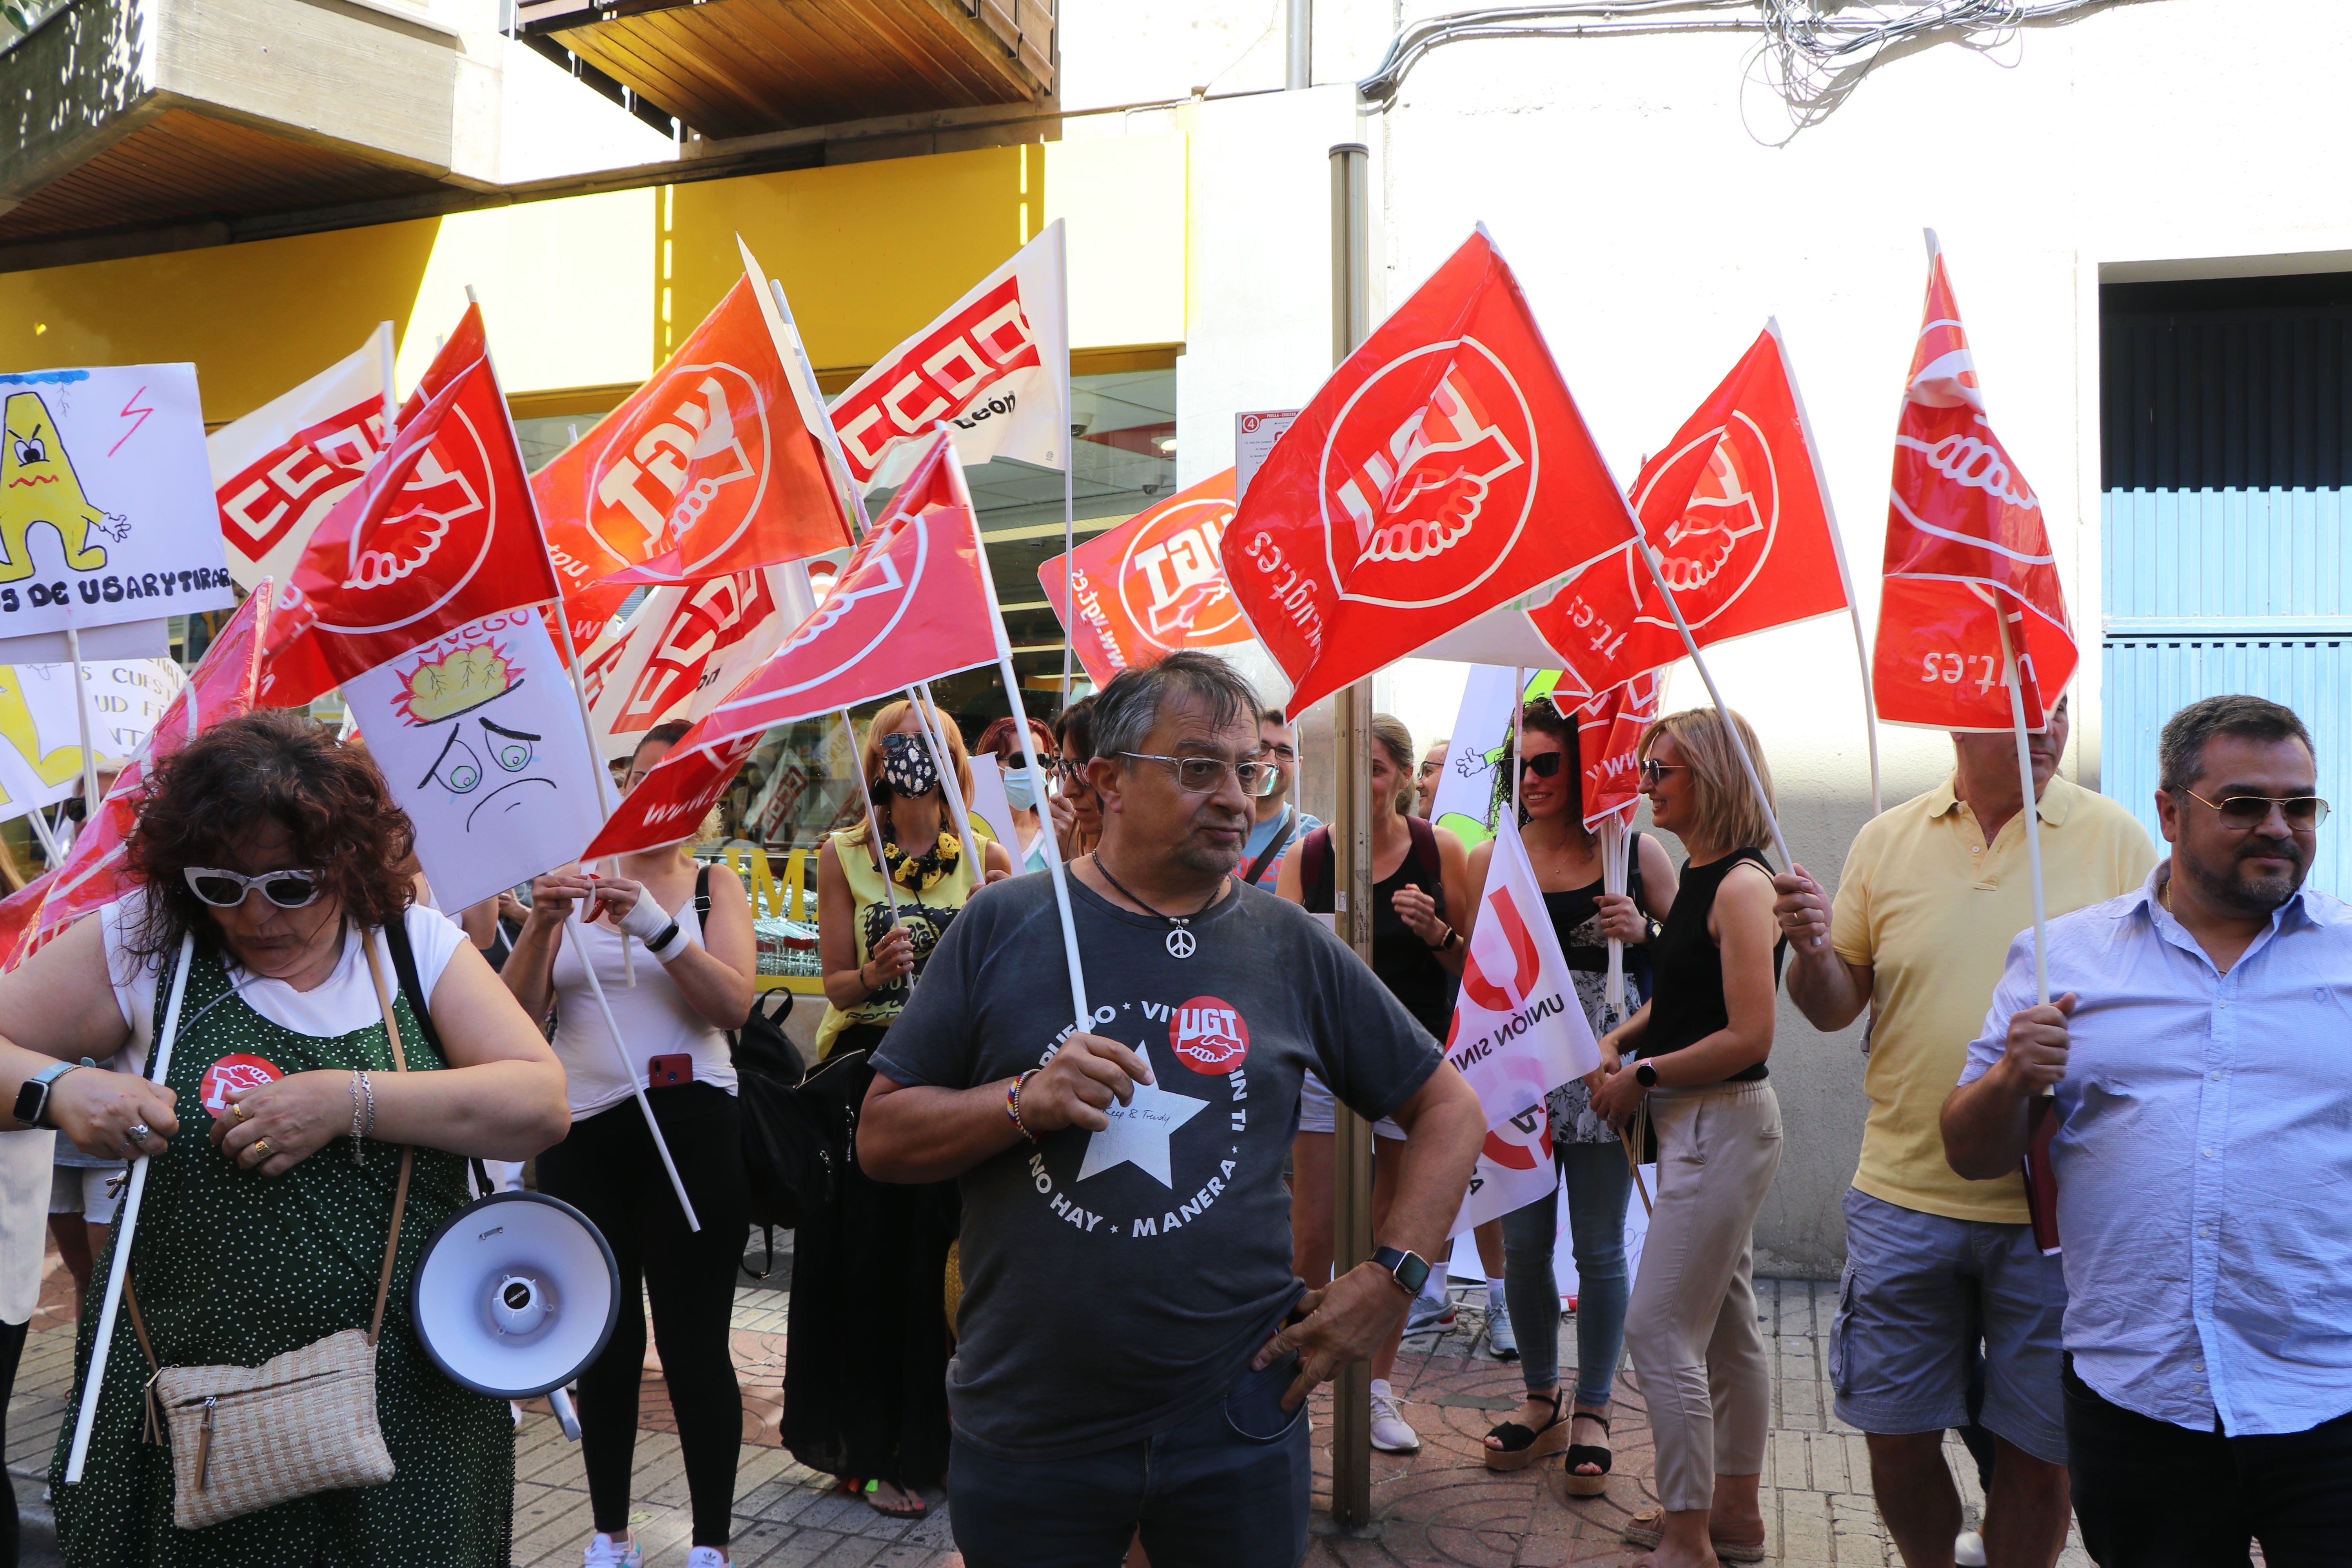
264	867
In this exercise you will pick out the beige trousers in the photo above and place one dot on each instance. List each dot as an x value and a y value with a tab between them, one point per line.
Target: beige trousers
1691	1324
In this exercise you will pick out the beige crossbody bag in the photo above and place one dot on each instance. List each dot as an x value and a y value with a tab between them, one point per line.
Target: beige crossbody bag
247	1439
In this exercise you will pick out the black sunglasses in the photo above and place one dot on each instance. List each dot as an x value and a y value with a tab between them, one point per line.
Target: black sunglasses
1543	764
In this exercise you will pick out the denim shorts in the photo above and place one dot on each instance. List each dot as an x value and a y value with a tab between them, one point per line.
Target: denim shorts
1919	1290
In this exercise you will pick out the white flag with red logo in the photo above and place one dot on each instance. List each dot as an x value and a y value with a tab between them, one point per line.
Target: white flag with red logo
1608	729
1442	471
279	470
1965	542
718	464
1518	1033
1735	514
441	532
224	684
683	651
991	366
913	603
1151	585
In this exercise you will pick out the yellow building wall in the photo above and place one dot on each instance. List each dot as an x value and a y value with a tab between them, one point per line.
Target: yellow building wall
585	294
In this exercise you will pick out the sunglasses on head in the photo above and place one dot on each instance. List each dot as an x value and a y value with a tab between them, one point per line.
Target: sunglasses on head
226	890
1543	764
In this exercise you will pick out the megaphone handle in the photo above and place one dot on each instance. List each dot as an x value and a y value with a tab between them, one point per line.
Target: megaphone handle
560	1401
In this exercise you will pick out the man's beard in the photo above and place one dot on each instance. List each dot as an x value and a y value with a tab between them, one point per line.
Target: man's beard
2226	884
1194	855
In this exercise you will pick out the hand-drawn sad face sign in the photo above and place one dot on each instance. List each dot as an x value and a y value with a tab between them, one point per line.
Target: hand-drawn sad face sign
484	765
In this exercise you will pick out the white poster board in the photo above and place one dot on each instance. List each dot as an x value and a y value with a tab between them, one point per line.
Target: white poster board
106	499
479	737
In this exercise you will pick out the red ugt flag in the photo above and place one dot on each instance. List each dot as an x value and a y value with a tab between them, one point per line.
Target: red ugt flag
442	532
1150	585
1733	510
1442	471
1608	729
913	603
1966	542
224	684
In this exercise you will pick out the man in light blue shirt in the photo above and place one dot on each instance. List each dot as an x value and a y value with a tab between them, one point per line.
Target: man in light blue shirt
1280	821
2200	1053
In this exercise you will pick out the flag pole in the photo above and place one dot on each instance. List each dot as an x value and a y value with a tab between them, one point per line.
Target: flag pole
387	356
1519	734
1730	730
936	743
873	823
81	722
1070	464
1837	549
2032	807
629	1069
118	1264
605	801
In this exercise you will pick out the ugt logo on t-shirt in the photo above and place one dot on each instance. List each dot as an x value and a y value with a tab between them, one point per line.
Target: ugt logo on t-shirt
1209	1037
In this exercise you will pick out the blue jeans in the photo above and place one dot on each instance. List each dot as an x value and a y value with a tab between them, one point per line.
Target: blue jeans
1599	1182
1226	1489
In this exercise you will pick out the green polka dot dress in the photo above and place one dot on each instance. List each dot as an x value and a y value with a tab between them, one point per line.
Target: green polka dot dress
232	1267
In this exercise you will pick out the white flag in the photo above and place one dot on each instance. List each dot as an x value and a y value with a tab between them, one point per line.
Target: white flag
991	365
1518	1034
1480	740
479	737
278	470
683	651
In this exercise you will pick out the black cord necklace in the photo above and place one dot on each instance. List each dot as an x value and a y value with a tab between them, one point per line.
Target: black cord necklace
1181	942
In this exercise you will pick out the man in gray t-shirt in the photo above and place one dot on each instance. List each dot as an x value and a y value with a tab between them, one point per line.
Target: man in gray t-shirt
1122	1359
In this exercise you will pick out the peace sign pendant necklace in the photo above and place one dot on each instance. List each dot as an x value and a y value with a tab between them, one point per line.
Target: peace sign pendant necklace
1181	942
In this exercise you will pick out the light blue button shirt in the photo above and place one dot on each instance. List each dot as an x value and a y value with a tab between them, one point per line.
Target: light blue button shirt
2204	1164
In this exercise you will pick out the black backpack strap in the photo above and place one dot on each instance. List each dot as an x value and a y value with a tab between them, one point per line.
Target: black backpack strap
404	965
1315	871
1274	850
1634	872
702	894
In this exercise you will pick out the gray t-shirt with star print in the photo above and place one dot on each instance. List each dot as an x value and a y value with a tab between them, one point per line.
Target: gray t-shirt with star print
1116	1282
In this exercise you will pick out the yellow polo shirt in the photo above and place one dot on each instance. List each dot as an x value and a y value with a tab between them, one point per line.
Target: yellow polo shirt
1932	910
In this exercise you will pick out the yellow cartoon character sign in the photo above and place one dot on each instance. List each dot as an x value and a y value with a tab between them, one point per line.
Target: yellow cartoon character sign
105	500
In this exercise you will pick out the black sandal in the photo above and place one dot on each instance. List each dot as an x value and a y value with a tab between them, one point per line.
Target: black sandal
1588	1454
1522	1447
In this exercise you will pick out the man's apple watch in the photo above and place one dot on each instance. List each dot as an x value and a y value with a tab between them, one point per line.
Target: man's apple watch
1409	1270
32	1099
1645	1074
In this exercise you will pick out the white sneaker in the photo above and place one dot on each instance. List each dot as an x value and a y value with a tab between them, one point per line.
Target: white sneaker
706	1557
603	1552
1968	1550
1429	1312
1500	1340
1390	1433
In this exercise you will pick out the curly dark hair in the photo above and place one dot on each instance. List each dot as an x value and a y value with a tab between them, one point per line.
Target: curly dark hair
272	765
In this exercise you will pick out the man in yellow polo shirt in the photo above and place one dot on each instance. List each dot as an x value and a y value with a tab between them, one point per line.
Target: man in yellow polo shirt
1932	894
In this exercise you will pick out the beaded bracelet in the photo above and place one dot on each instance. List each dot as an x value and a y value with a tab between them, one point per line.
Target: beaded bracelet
1012	1103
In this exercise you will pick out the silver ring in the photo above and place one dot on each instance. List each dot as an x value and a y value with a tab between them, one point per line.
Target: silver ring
139	1133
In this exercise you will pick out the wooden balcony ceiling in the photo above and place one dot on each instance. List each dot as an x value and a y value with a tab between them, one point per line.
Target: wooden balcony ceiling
738	68
183	165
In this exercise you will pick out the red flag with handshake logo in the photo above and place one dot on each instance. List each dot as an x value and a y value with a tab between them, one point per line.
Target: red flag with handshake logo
1966	543
1150	585
440	533
1734	513
1441	472
912	604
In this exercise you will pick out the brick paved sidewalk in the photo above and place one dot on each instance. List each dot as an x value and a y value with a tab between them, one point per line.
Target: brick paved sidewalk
1440	1506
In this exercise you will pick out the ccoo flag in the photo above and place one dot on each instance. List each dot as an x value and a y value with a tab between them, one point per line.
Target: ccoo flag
912	604
441	532
278	471
1735	514
1151	585
1966	542
1518	1033
1442	471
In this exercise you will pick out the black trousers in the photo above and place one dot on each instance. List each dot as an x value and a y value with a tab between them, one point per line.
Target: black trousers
2149	1494
609	1171
12	1350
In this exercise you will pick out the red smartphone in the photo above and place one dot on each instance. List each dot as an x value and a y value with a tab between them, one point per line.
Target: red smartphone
663	1072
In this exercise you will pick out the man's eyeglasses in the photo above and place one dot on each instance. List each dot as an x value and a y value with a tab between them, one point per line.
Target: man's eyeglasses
1428	768
2304	813
1543	764
226	890
1206	775
1652	770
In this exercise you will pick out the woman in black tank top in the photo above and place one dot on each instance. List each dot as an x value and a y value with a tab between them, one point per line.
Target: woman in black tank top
1419	872
1693	1059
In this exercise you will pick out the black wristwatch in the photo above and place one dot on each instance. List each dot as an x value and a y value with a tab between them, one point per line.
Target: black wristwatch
32	1099
1409	1270
1645	1074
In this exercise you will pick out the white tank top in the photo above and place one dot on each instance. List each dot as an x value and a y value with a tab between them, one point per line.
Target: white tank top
655	1018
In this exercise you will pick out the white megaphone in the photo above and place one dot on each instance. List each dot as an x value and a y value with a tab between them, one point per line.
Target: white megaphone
515	1297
